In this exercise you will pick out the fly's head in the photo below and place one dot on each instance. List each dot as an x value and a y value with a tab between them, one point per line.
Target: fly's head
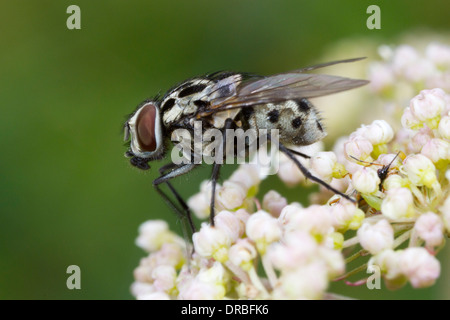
144	132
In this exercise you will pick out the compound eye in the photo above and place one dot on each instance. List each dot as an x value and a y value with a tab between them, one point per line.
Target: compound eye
145	126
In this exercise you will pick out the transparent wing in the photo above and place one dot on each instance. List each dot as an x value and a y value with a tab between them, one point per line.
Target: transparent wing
286	86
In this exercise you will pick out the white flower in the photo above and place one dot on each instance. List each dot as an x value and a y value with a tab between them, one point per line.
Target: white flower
420	170
359	148
307	282
445	210
378	132
444	127
376	237
345	215
153	234
315	220
242	254
421	268
437	150
157	295
297	249
398	204
231	195
273	202
263	229
325	166
381	76
164	278
366	180
212	242
439	54
230	223
430	228
199	290
409	120
428	105
420	139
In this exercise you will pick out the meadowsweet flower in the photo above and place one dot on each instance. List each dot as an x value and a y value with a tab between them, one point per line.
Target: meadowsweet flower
359	148
420	170
430	228
273	202
444	127
315	220
230	223
242	254
420	139
153	234
366	180
263	229
230	196
438	151
398	204
421	268
325	166
345	215
212	242
428	106
377	237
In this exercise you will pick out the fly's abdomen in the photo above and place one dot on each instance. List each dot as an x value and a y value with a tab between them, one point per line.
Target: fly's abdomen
297	121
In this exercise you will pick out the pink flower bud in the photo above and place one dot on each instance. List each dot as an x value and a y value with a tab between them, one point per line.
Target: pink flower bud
296	250
379	132
263	229
157	295
437	150
345	215
366	180
231	195
420	139
409	120
199	290
398	204
212	242
439	54
242	253
421	268
381	77
377	237
420	170
153	234
444	127
430	228
324	165
164	278
404	56
273	202
287	213
230	224
445	210
315	220
428	104
359	148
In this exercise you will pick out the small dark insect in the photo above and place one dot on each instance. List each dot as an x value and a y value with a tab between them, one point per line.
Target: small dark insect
382	172
232	100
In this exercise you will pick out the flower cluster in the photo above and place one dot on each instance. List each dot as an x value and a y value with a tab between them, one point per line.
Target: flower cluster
271	249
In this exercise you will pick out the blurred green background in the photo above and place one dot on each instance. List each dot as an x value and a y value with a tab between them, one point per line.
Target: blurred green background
68	196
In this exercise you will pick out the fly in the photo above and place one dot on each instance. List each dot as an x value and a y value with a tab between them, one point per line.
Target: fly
232	100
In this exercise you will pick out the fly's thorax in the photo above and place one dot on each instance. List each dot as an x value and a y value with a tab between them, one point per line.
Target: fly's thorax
196	95
298	121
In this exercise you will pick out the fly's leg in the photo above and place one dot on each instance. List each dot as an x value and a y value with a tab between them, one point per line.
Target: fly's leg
306	172
216	169
169	172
